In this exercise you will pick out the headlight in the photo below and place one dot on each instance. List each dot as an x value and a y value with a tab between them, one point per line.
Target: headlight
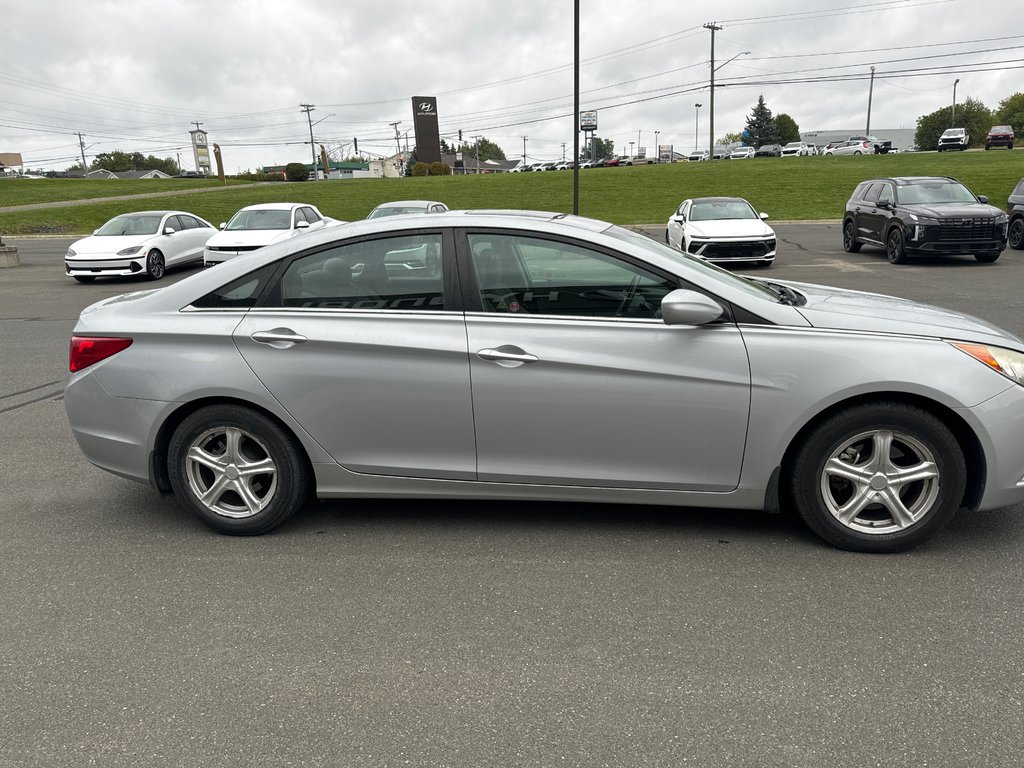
924	221
71	252
129	251
1004	361
1002	218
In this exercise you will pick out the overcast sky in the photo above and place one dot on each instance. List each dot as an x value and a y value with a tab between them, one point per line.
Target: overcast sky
133	74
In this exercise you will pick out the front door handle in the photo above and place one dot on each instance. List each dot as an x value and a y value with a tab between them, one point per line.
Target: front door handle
507	355
278	337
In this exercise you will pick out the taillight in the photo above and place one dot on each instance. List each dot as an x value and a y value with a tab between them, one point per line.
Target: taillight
864	144
87	350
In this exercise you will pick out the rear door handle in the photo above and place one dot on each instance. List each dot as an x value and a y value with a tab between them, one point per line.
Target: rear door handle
507	355
278	337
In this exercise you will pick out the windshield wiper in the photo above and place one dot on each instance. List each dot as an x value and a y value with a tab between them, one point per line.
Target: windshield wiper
786	295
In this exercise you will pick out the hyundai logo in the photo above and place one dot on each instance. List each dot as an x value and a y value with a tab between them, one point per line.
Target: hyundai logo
426	106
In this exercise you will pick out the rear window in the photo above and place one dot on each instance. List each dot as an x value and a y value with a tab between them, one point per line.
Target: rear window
1001	129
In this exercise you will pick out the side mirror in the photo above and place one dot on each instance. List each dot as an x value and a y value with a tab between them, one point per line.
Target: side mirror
684	307
983	198
763	216
168	230
302	224
223	225
95	231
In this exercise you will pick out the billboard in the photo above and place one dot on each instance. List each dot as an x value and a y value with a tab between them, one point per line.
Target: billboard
588	121
424	123
201	151
665	153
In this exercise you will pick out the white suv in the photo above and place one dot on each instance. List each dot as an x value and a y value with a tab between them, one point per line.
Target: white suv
953	138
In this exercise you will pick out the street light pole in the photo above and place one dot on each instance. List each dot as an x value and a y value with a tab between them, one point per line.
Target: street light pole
952	119
657	151
631	149
696	126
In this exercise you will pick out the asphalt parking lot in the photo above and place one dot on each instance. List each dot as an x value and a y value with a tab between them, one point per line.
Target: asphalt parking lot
390	633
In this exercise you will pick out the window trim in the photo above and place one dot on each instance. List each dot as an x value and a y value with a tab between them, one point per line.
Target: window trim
471	288
450	288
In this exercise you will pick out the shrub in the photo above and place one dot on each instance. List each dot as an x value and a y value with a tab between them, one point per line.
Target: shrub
421	169
440	169
296	172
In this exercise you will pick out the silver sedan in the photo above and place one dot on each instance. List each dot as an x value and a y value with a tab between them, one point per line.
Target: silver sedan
546	357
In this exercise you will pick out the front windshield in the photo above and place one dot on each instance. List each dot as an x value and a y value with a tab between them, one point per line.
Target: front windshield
260	219
717	273
716	210
794	145
935	192
394	210
131	224
954	132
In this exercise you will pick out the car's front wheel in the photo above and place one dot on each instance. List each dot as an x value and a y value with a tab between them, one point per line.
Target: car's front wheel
878	477
895	250
850	244
237	470
1015	235
155	266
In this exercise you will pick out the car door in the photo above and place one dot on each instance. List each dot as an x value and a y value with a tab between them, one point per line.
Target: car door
372	363
175	246
195	235
577	381
871	220
677	225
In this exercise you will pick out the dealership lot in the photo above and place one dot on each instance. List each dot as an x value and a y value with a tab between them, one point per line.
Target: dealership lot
380	632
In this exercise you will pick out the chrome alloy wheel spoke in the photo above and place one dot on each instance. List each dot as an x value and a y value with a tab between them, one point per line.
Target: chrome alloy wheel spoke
231	472
880	492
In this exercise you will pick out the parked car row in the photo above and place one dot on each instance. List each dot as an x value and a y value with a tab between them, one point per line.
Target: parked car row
149	242
568	165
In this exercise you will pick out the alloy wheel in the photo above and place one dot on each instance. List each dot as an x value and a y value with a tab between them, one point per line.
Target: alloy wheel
230	472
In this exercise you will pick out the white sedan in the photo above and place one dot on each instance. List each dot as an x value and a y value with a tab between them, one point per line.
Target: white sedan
256	226
721	229
143	243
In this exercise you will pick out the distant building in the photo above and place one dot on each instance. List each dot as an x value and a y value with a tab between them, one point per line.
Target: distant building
338	170
901	138
469	164
9	161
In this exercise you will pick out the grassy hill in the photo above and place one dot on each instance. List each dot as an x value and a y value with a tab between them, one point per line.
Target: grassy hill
801	188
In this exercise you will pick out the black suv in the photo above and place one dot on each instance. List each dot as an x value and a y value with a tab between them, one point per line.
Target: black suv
923	216
1015	207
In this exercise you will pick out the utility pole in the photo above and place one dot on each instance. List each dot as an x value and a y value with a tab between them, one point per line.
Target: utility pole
476	140
196	123
952	117
871	91
81	145
638	142
524	151
398	139
711	131
178	154
308	109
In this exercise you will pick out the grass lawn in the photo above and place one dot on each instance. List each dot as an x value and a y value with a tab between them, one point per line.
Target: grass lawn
27	191
801	188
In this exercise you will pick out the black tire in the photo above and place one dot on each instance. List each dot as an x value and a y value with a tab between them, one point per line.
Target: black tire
850	244
865	506
986	258
988	147
274	495
667	241
155	266
84	278
941	149
1015	234
895	249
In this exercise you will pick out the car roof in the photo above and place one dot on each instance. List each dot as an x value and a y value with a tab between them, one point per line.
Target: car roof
718	199
408	203
274	206
152	213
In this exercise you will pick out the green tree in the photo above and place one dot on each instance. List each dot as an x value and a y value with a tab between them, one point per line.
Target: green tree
760	125
729	138
786	128
488	150
971	115
1011	112
134	161
296	172
605	149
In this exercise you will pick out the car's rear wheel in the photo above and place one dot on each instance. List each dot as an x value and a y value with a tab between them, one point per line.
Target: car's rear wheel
1015	235
237	470
895	250
878	477
858	152
155	266
84	278
986	258
850	244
